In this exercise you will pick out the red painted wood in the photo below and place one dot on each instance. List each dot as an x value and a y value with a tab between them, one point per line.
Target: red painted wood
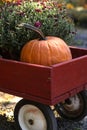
85	86
25	78
68	76
78	52
48	85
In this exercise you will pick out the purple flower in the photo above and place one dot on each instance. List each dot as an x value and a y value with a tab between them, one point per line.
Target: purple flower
18	2
37	24
38	10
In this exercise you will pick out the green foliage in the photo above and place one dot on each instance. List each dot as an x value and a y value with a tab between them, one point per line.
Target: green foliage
51	17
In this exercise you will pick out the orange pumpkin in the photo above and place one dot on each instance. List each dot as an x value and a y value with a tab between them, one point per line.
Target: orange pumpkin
46	51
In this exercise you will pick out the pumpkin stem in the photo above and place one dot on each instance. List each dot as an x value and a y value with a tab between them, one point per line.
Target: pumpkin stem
28	26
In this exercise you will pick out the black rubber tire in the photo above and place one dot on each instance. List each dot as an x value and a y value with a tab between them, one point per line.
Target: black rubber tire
75	115
46	110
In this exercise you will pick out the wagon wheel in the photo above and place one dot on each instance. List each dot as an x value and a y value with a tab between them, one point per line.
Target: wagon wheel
74	108
30	115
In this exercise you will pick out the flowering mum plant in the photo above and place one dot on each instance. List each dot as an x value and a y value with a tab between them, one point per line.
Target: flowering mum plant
50	16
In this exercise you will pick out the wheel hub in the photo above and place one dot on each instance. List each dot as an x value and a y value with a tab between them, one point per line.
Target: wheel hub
72	103
31	122
31	118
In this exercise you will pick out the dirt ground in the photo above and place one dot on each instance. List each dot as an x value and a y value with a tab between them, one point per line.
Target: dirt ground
7	103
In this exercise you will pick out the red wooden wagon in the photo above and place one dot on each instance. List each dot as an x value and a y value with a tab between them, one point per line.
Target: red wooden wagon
62	86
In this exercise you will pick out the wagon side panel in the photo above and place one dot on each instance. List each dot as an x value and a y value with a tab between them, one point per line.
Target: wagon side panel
78	52
25	80
68	78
